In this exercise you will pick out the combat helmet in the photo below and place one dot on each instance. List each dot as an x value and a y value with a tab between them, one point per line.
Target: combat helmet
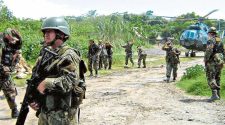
57	23
212	30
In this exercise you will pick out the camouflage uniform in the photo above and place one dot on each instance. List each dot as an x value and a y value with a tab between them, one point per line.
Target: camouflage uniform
172	60
103	57
59	78
214	59
129	53
93	58
141	56
59	74
9	54
109	54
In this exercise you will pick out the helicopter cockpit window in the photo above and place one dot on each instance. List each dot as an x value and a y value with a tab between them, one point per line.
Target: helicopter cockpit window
190	34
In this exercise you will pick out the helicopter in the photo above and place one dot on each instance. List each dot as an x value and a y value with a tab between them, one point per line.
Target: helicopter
195	37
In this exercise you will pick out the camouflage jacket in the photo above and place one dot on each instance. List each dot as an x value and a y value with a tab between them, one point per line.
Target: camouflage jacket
172	55
141	52
109	49
128	48
214	46
60	74
93	50
9	53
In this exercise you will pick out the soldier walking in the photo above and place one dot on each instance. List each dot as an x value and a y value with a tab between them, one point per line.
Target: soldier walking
11	43
129	53
93	57
172	60
214	59
141	56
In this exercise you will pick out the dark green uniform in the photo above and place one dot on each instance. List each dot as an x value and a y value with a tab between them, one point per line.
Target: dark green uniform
9	57
141	56
214	59
172	60
109	54
129	53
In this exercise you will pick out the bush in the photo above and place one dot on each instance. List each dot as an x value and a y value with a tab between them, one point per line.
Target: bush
193	72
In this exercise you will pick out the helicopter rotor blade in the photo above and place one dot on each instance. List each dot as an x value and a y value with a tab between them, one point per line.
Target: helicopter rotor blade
210	13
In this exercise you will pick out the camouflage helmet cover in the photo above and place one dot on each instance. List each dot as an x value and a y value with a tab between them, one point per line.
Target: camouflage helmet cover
57	23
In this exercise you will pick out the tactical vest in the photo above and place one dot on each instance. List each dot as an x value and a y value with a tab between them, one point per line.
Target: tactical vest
69	100
172	57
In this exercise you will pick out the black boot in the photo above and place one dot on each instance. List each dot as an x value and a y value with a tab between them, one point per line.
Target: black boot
15	113
96	73
214	96
91	74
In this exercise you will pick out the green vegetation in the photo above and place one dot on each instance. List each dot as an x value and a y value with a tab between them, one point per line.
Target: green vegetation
194	82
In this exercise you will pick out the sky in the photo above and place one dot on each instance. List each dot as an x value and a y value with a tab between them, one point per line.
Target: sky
37	9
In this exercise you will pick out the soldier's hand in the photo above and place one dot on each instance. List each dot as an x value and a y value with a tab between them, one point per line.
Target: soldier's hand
34	106
41	87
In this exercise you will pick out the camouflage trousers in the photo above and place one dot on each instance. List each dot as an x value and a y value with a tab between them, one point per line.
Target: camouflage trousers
213	73
140	58
129	56
109	59
171	67
9	90
59	117
93	63
103	62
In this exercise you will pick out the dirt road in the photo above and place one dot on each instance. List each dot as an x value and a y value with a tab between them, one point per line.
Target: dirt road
138	97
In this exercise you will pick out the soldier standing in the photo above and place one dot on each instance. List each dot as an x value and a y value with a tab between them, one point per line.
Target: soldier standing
109	51
11	43
141	56
57	74
103	56
214	59
172	60
93	57
129	53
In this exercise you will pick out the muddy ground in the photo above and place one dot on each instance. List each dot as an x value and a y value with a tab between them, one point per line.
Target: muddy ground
138	97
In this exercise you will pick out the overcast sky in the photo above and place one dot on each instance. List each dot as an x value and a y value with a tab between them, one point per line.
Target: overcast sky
47	8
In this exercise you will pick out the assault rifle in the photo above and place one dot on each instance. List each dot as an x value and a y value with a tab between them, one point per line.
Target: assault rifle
31	91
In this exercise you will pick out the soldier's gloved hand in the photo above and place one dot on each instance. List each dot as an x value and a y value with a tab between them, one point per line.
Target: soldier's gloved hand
41	87
34	106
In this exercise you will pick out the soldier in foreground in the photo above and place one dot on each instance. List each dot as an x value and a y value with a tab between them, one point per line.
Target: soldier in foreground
11	43
172	60
214	59
141	56
109	51
93	57
129	53
56	77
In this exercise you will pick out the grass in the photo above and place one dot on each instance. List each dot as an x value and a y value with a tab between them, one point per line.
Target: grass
199	86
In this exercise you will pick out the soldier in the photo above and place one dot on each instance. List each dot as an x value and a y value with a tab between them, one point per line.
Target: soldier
172	60
141	56
129	53
109	51
93	57
103	56
214	59
58	74
11	43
